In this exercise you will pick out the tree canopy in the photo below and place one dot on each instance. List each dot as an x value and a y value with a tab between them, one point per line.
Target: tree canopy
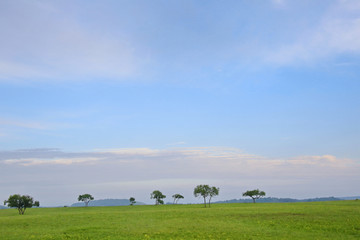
206	191
86	198
132	201
177	197
21	202
254	194
158	196
214	191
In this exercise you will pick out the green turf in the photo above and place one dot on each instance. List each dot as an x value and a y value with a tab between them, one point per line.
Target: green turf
316	220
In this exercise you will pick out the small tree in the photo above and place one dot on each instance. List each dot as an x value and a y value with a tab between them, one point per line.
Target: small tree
21	202
206	191
177	197
212	193
132	201
254	194
86	198
203	191
158	196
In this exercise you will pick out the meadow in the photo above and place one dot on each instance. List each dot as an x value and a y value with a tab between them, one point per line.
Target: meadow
312	220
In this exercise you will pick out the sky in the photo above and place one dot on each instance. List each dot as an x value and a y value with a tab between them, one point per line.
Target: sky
120	98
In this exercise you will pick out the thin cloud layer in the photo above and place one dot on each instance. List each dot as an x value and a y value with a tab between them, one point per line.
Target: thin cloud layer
143	168
336	33
39	42
214	161
46	41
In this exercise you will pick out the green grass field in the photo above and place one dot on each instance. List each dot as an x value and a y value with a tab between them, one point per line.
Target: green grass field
316	220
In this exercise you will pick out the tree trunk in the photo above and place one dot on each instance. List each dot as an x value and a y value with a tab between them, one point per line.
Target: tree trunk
253	200
205	201
21	211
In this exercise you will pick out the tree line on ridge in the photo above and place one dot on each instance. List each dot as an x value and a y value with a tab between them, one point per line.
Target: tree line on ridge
21	202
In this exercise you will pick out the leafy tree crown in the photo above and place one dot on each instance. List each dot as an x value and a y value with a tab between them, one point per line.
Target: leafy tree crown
158	196
177	196
85	197
21	202
254	194
202	190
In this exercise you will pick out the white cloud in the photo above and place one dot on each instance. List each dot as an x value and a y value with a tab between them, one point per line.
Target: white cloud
42	41
39	42
337	33
320	160
200	162
131	151
10	70
142	170
176	143
55	161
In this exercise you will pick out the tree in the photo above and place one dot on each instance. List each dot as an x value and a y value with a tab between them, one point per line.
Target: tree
213	192
254	194
206	191
21	202
203	191
132	201
86	198
177	197
158	196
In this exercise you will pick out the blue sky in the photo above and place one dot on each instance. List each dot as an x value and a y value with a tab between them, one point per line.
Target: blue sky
208	91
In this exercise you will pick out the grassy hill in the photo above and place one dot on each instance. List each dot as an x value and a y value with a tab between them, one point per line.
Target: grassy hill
310	220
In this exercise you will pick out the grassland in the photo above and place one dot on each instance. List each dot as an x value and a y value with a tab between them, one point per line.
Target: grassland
320	220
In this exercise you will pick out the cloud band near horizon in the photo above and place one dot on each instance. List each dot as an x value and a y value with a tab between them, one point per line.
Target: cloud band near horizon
145	168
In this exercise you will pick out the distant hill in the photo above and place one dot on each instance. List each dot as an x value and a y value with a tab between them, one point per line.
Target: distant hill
281	200
350	198
106	202
3	207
